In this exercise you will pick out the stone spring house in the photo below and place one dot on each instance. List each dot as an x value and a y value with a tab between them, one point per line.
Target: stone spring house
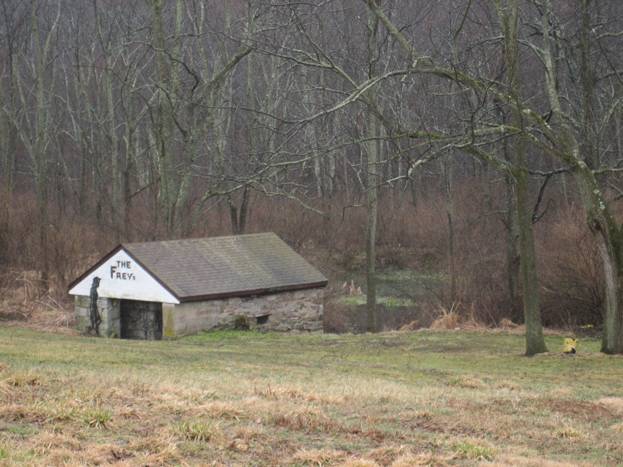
166	289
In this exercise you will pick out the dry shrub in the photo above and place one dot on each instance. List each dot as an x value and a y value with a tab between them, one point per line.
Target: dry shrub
506	323
568	266
457	317
336	317
36	310
448	319
412	326
410	236
480	254
570	273
65	248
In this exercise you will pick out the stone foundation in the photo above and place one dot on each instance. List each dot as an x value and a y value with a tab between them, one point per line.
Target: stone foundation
109	310
299	310
287	311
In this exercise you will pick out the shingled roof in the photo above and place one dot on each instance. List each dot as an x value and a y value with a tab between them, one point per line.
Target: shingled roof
221	267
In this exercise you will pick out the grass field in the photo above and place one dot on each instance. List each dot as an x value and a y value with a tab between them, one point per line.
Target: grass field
266	399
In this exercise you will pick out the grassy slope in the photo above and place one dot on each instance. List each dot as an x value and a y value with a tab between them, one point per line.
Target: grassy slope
238	398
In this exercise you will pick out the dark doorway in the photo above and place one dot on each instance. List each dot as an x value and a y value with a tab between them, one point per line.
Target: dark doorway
262	319
141	320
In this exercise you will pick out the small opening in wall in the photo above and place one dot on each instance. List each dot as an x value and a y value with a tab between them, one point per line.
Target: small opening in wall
262	319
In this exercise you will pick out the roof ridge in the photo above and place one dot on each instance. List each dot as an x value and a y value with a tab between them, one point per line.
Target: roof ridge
256	234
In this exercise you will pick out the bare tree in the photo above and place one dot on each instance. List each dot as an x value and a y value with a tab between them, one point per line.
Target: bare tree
36	76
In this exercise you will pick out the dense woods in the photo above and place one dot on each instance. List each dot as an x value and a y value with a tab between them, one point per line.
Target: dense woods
481	139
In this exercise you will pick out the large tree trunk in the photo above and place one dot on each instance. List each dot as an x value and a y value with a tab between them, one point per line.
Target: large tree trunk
238	215
166	93
608	237
512	247
36	139
371	228
612	341
606	231
372	160
7	165
446	172
117	211
535	342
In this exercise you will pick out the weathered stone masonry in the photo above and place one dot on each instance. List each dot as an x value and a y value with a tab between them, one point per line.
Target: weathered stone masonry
300	310
109	310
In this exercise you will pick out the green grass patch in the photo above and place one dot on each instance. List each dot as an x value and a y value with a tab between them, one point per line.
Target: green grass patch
402	284
389	302
474	452
97	418
196	431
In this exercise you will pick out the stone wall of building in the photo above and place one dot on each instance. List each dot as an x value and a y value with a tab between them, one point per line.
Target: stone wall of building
109	310
300	310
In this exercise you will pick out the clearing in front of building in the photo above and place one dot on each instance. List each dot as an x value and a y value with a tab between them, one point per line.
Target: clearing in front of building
308	399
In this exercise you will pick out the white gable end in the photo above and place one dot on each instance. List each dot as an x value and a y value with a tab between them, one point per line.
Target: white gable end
123	278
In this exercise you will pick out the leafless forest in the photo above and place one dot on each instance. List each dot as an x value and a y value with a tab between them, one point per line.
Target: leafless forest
477	139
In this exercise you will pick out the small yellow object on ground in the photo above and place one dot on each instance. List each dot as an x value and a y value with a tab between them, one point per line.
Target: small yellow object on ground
569	345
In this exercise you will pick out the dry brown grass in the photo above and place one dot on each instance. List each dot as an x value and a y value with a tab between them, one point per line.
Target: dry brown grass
306	419
618	427
614	404
294	393
521	461
318	457
426	458
394	399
